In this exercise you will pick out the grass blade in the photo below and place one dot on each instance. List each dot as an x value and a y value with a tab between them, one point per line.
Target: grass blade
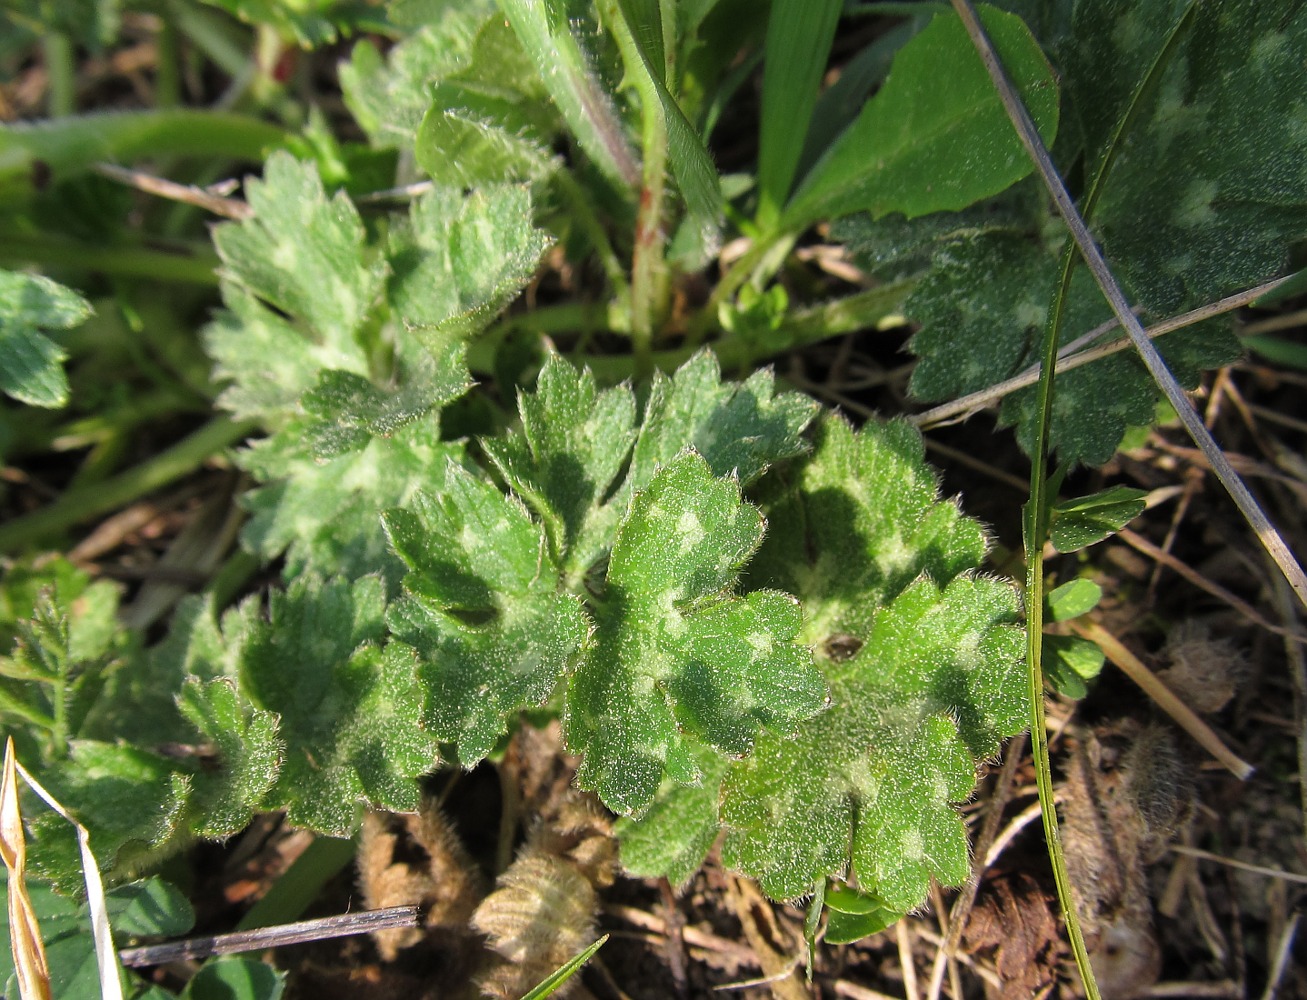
799	37
565	972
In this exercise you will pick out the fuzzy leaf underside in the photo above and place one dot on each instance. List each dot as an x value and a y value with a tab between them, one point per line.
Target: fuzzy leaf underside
31	364
676	654
482	612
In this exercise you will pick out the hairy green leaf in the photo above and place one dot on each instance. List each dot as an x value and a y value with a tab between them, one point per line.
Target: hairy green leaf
303	253
31	369
249	755
461	259
349	712
927	142
867	790
676	654
491	631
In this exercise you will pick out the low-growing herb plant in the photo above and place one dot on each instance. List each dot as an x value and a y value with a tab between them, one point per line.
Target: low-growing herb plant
761	626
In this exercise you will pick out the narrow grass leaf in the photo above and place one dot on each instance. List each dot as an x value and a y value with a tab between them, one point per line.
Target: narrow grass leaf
555	980
926	142
799	36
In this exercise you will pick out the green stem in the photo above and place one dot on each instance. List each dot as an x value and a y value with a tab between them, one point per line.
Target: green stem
211	33
61	68
648	266
77	506
167	79
191	263
1036	532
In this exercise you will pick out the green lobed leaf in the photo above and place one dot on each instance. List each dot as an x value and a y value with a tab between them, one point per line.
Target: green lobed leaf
349	713
677	655
249	753
673	836
31	364
466	139
868	789
325	515
303	253
926	142
857	522
573	443
482	614
132	802
1084	521
389	95
346	411
461	259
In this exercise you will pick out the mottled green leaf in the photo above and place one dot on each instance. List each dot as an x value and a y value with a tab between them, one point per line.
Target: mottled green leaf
673	836
928	142
31	364
461	259
573	443
856	523
1068	662
867	790
675	652
491	631
349	712
303	253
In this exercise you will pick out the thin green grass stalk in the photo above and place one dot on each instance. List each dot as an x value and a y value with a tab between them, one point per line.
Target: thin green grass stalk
76	506
301	883
61	70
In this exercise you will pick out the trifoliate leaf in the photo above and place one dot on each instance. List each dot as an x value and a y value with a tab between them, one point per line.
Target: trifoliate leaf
491	631
675	652
303	253
868	789
461	259
1083	521
349	712
31	364
856	523
573	443
249	755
